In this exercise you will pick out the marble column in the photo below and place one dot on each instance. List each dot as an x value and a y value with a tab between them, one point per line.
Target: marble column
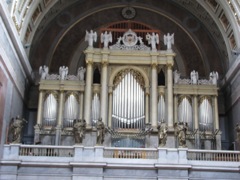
216	123
175	108
88	94
154	96
40	107
215	112
147	105
59	118
104	93
196	121
170	95
39	117
110	99
80	116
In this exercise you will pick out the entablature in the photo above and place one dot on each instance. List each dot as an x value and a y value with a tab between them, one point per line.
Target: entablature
184	89
135	57
61	85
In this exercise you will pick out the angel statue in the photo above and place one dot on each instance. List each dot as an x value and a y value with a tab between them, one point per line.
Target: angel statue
176	76
153	40
106	38
213	77
194	77
63	72
168	40
80	73
43	71
91	37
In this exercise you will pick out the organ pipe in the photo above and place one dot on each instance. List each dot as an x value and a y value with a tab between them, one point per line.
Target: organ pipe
128	101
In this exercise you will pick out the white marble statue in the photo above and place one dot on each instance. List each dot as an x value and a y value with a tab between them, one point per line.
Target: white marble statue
91	37
106	38
176	76
153	39
194	77
81	72
213	77
43	71
63	72
169	40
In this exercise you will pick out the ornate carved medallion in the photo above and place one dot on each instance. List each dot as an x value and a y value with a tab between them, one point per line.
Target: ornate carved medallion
129	38
128	12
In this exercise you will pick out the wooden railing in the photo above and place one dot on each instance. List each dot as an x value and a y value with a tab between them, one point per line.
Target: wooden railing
52	151
124	153
209	155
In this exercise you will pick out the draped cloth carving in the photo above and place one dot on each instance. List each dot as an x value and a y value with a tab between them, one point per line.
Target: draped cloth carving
50	110
128	100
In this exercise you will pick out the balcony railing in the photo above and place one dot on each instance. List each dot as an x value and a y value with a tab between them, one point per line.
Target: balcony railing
81	153
56	151
133	153
207	155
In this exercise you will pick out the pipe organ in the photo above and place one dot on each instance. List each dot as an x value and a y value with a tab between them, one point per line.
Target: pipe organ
128	98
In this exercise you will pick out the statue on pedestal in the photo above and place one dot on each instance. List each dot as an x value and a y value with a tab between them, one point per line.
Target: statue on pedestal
162	133
100	131
80	73
91	37
176	76
180	132
63	72
15	129
213	77
169	40
79	128
153	39
106	38
194	77
43	71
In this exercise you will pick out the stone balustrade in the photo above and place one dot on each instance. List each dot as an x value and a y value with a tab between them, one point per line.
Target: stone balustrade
79	162
19	151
